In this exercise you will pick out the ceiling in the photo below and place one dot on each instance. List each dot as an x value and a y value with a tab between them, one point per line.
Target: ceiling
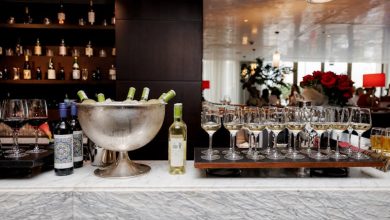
340	30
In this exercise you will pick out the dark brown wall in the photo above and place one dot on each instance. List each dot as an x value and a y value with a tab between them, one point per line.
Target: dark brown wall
159	45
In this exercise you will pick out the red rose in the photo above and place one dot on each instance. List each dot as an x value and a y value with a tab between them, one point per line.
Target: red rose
347	95
306	80
317	74
328	79
344	83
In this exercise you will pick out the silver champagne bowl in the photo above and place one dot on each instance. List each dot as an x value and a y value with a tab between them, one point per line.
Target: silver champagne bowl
121	127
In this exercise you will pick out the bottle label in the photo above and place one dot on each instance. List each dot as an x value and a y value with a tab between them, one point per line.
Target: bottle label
177	146
78	146
91	17
89	51
63	151
61	16
26	74
51	74
38	50
76	74
62	51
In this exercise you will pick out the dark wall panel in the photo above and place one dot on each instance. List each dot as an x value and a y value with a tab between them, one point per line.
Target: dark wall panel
159	50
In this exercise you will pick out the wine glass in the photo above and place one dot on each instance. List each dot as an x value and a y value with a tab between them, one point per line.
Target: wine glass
340	122
320	122
295	123
253	121
37	115
266	111
276	123
232	120
14	114
210	122
348	150
361	122
307	131
328	150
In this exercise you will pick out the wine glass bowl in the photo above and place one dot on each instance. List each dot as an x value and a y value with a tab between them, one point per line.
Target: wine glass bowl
14	115
233	122
254	122
320	122
37	115
340	122
295	124
210	122
276	123
360	122
122	127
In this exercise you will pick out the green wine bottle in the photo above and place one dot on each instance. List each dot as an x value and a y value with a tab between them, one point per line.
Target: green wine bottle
84	98
145	94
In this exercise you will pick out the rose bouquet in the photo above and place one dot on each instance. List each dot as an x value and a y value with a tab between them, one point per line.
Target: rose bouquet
337	88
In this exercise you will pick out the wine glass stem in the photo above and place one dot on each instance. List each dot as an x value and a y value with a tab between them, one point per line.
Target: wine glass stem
36	139
329	133
210	142
319	144
337	143
275	140
234	143
256	142
231	142
360	135
15	137
294	142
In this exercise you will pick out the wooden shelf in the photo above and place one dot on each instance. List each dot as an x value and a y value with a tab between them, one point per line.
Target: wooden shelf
58	27
57	82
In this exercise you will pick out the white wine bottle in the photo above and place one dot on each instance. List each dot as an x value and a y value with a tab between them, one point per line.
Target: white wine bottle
101	97
164	98
177	142
130	94
145	94
84	98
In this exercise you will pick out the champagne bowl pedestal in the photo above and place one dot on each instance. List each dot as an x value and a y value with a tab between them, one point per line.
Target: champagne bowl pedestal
121	127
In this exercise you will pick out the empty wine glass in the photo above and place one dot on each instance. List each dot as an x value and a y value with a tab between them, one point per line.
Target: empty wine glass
14	114
295	123
254	122
361	122
340	122
320	121
232	120
276	123
210	122
37	115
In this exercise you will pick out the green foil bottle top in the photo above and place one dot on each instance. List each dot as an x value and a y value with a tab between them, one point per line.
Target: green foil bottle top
168	96
100	97
162	96
145	94
82	96
178	110
131	93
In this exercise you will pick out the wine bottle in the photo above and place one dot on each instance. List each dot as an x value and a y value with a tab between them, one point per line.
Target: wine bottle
38	73
62	73
168	96
76	69
26	69
89	50
38	48
77	137
84	98
27	16
101	97
145	94
130	94
177	142
51	72
91	13
61	14
62	48
63	145
112	73
18	48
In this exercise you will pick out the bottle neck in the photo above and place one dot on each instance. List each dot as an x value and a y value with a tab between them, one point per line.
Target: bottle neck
178	118
63	114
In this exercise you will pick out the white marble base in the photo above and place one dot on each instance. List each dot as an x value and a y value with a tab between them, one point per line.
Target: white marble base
159	195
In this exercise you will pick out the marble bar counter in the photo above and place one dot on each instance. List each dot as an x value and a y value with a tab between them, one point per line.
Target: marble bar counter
159	195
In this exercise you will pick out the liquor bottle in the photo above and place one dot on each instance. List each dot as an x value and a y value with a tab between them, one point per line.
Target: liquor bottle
89	50
76	69
27	16
5	73
38	48
62	73
112	73
61	14
38	73
18	48
84	98
51	72
62	48
77	137
26	69
177	142
91	13
63	145
145	94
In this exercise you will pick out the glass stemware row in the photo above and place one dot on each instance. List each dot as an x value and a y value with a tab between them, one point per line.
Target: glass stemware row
304	121
16	113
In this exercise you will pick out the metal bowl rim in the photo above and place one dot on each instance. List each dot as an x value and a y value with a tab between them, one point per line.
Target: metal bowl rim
120	104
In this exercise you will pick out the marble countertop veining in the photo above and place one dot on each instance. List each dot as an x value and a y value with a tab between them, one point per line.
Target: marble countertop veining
159	179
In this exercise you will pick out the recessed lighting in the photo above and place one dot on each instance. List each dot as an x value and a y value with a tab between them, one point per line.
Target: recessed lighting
246	20
254	30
